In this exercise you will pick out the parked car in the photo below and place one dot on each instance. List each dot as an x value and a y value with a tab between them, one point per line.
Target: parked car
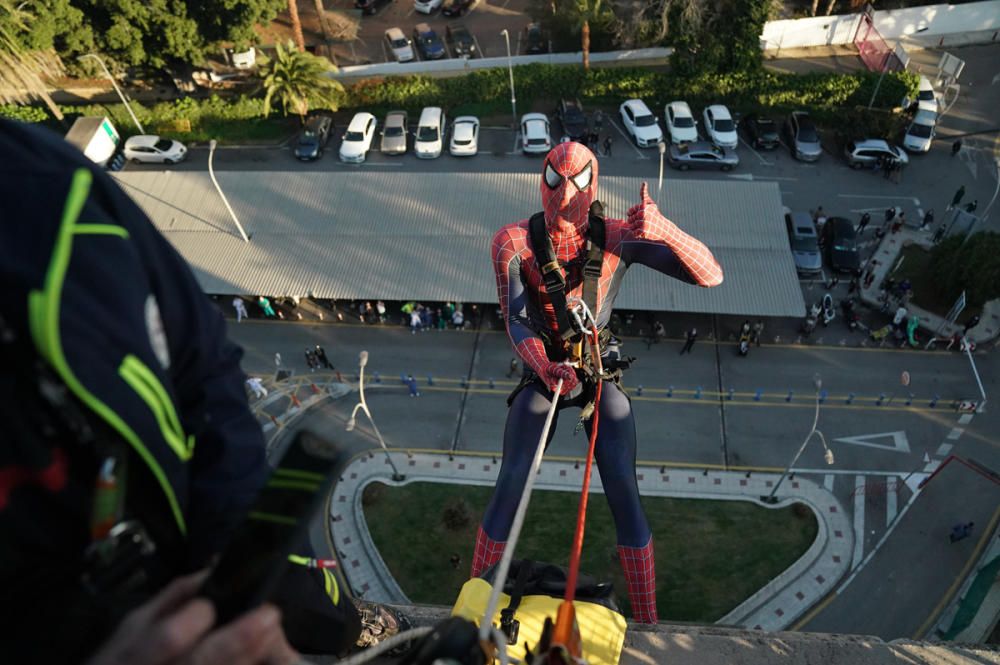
428	43
804	242
358	138
926	97
430	133
314	137
572	119
369	7
464	136
761	131
869	152
803	138
701	155
720	127
461	41
151	149
426	6
400	47
535	137
395	131
920	133
458	7
680	122
640	123
842	245
534	40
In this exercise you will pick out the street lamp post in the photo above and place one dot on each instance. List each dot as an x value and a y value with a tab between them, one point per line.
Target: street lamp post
117	89
211	174
975	372
510	71
363	405
828	455
663	150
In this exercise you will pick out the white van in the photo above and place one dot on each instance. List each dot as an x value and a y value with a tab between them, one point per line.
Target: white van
430	133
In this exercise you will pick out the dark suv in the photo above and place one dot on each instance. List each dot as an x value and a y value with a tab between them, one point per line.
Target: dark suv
572	119
534	40
369	7
461	41
314	137
454	8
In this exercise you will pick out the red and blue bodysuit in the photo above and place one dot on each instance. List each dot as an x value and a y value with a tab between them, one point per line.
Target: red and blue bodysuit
568	187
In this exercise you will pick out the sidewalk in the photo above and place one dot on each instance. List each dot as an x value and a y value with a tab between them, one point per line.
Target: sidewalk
775	607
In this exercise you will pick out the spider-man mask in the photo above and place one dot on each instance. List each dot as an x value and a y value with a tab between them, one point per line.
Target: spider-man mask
569	185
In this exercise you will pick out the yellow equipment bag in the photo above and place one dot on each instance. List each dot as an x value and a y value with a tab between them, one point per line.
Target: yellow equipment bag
534	591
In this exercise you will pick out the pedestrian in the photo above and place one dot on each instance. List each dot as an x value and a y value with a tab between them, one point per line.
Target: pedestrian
869	278
442	321
380	309
321	357
939	234
853	286
955	200
458	319
887	166
265	305
598	120
956	146
241	309
971	207
899	317
411	383
415	324
817	214
607	145
897	223
890	214
970	324
692	337
512	369
865	219
277	360
961	531
311	360
254	383
928	220
758	331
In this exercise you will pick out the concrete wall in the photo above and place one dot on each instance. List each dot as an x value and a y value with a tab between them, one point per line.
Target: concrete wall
931	25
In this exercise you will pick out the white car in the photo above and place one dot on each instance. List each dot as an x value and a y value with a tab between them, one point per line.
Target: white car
535	133
358	138
720	127
680	123
426	6
926	97
153	149
640	122
464	136
920	133
399	45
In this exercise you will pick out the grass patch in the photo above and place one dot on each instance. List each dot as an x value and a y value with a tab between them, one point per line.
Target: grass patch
710	555
916	268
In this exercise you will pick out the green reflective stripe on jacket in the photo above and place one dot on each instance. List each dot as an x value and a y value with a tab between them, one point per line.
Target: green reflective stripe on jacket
100	229
332	588
146	384
43	315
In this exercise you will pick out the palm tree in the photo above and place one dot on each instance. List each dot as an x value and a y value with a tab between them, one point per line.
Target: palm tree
293	12
22	71
323	25
300	80
586	12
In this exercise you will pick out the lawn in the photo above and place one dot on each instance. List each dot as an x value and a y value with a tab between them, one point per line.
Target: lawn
925	294
710	555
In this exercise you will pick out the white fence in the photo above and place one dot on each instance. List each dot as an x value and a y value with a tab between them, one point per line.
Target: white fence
931	25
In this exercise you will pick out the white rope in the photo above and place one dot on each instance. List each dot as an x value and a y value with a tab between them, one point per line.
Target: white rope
500	578
373	652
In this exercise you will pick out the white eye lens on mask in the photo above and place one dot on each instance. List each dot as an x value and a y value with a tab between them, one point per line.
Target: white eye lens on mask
582	179
552	179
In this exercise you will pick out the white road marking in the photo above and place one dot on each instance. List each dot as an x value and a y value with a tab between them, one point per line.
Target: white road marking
627	137
965	419
955	433
890	500
849	472
517	142
885	536
828	482
943	450
899	443
913	481
932	466
754	151
859	521
776	177
741	176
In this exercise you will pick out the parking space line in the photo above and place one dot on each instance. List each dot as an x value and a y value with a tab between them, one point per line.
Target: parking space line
628	139
754	151
891	497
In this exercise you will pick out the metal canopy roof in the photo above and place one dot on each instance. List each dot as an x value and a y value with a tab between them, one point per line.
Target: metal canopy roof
404	236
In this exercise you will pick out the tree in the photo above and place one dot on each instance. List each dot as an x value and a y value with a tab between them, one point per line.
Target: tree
299	81
586	12
22	71
971	265
293	12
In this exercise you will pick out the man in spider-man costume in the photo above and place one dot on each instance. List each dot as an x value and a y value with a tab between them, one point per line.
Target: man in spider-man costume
568	187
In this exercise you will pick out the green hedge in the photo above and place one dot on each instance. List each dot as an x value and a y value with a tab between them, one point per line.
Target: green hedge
23	113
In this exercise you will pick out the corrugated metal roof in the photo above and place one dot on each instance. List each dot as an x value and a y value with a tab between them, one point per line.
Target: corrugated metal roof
397	236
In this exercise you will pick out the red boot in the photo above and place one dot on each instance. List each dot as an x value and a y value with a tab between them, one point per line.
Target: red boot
640	575
486	554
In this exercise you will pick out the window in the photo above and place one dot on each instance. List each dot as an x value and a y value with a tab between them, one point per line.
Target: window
354	136
920	131
163	145
427	134
645	121
724	125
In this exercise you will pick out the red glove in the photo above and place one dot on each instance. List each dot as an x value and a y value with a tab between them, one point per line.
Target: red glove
552	372
645	217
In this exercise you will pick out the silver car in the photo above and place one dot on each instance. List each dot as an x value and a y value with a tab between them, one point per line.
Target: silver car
701	155
394	133
804	241
803	137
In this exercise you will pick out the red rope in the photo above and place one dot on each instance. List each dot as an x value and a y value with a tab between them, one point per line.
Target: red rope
581	513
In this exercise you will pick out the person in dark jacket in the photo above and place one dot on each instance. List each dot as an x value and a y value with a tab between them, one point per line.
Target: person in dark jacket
124	413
